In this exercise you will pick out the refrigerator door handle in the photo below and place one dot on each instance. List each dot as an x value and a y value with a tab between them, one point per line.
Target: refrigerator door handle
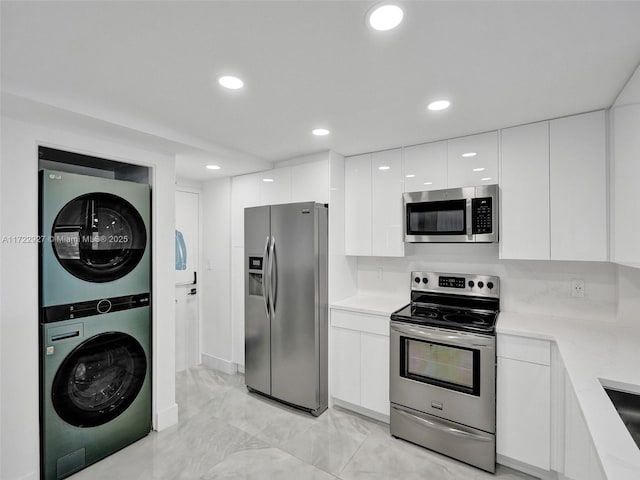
265	276
273	281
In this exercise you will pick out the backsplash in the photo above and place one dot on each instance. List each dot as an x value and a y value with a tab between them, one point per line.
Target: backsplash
527	286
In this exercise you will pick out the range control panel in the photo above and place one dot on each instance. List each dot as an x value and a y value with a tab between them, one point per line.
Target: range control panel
464	284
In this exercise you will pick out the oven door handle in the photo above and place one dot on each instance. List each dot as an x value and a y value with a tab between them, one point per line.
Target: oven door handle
448	337
442	428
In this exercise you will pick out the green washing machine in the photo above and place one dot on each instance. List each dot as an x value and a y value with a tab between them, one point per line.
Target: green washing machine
95	238
95	381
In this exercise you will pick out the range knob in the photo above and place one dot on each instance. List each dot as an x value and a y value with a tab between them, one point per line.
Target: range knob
417	279
480	284
489	285
425	280
471	283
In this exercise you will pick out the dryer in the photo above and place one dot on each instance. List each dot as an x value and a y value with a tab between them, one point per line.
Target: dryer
95	382
95	238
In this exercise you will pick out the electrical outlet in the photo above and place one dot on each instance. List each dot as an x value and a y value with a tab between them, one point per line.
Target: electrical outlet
577	288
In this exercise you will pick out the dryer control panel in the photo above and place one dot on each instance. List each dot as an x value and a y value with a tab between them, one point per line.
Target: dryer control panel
58	313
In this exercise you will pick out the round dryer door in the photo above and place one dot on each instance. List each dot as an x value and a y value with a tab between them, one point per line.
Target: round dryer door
99	237
99	379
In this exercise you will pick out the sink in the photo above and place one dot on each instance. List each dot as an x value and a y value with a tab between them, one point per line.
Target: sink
628	407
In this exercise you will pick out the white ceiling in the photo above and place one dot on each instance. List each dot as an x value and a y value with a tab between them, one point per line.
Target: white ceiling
152	66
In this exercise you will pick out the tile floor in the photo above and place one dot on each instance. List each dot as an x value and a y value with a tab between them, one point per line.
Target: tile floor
227	433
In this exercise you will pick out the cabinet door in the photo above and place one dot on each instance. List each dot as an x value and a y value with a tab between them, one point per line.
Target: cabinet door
275	186
386	192
245	192
578	182
472	160
577	440
310	182
425	167
523	407
625	174
345	359
524	192
374	390
357	189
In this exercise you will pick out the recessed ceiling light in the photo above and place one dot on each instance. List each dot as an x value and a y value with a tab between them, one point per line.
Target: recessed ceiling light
439	105
485	179
411	175
267	179
232	83
428	183
320	132
469	154
213	167
385	17
479	169
384	167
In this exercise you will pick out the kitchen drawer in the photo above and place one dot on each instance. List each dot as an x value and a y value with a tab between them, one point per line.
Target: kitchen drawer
361	322
530	350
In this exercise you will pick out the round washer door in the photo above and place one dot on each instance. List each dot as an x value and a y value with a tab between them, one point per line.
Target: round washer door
99	379
99	237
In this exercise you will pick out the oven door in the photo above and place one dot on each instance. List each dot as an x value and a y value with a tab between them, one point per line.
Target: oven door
445	373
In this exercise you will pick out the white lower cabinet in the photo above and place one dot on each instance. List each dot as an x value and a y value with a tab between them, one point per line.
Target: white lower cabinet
360	362
580	458
540	429
523	402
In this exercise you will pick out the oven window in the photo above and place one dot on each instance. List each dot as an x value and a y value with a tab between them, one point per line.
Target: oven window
436	218
455	368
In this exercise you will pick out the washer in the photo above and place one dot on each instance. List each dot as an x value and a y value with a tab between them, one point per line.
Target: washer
95	238
95	381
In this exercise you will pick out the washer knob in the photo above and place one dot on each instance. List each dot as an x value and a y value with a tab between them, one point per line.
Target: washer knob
480	284
471	283
417	279
425	280
489	285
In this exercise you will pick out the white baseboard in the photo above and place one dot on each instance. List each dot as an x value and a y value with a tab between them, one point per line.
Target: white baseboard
525	468
224	366
240	368
361	410
166	418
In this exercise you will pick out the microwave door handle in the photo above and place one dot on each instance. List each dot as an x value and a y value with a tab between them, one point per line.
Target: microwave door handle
469	220
443	337
442	428
265	277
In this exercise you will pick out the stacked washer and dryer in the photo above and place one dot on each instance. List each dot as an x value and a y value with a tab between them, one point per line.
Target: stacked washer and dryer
95	322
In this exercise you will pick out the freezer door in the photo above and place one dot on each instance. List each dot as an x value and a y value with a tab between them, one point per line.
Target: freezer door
257	329
295	333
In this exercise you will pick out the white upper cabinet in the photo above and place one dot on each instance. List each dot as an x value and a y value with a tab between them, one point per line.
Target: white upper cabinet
275	186
578	180
524	195
310	182
386	191
357	225
472	160
425	167
625	215
245	192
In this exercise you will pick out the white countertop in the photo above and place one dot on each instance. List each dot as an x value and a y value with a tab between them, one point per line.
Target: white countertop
593	351
376	304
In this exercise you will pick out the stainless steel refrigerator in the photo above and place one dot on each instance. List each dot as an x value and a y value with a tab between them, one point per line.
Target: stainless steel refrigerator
286	314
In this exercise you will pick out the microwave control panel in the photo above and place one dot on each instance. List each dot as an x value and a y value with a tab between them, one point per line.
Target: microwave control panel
482	209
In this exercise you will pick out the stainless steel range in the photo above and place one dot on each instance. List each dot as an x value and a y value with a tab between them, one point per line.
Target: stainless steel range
443	366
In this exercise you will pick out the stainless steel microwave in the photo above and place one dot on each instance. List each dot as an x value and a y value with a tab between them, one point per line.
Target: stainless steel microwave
454	215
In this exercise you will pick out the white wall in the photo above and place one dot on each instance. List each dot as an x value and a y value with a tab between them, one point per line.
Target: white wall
217	328
19	279
629	294
526	286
